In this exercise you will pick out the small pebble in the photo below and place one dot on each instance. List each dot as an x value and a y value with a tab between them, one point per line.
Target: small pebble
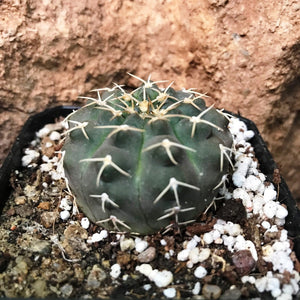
11	212
126	244
48	218
96	276
66	290
272	283
218	241
211	291
267	250
40	246
148	255
231	294
40	288
20	200
44	205
74	242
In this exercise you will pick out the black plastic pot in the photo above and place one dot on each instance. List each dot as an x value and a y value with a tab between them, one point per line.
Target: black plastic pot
267	164
26	135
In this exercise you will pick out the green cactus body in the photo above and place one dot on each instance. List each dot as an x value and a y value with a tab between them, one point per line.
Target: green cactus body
143	160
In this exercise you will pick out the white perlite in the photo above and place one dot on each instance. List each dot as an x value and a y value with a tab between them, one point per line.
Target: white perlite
170	292
64	215
140	245
29	157
115	271
160	278
147	287
65	204
85	223
54	136
183	255
98	237
197	288
200	272
260	199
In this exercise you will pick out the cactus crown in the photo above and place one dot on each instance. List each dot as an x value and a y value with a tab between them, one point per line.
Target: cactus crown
140	161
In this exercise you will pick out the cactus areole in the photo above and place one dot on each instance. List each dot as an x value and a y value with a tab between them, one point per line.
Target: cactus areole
144	160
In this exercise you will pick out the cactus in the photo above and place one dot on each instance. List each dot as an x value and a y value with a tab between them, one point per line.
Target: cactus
144	160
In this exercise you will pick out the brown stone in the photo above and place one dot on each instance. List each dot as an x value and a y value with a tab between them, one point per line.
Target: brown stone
74	242
48	218
44	205
123	258
46	148
10	212
244	54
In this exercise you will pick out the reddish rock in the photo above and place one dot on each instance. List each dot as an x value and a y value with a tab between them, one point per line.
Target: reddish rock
243	262
244	54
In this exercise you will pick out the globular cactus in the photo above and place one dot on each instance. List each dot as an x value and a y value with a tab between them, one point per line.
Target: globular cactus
143	160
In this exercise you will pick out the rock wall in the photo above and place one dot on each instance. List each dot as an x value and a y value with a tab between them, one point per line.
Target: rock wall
244	54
